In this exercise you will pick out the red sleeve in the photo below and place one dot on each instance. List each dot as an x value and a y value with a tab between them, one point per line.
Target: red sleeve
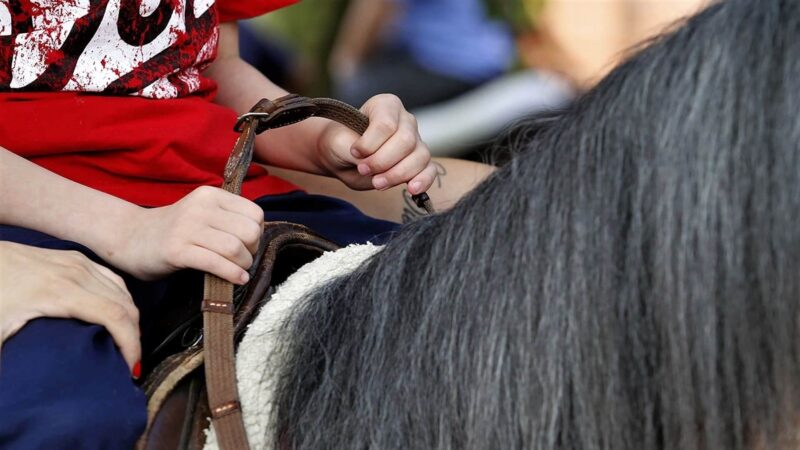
230	10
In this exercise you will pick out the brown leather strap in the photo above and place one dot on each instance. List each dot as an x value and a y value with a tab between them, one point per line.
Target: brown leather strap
218	308
294	108
220	368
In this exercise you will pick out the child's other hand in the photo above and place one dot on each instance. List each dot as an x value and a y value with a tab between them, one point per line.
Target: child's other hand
388	154
210	230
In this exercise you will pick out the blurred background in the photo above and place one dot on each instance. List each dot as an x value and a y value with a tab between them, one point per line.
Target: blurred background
466	68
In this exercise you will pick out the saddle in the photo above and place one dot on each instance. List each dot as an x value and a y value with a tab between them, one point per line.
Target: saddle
195	375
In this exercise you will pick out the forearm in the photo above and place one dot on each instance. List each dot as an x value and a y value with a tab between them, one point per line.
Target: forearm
455	178
241	86
35	198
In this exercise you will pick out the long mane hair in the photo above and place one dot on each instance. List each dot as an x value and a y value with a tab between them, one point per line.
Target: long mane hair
630	280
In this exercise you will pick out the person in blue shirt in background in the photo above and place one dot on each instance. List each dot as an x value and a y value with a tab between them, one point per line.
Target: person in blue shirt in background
423	51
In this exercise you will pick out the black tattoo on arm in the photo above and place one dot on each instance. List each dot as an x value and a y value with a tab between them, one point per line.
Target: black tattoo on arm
411	211
440	173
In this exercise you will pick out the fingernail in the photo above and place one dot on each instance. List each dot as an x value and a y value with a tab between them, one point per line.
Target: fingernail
380	183
137	370
414	187
364	169
355	153
245	277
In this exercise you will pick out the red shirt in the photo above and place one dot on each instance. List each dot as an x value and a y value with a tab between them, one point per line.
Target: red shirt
110	94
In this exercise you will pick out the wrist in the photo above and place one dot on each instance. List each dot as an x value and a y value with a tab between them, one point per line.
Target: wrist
115	234
300	147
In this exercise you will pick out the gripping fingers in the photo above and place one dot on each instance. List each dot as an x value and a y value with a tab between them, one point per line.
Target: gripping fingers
416	169
201	258
400	146
240	205
424	180
384	112
241	227
226	245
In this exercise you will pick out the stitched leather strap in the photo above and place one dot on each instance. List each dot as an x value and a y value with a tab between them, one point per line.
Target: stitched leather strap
220	369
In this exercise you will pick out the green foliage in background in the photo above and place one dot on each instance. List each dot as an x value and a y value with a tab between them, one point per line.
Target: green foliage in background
310	27
518	13
309	24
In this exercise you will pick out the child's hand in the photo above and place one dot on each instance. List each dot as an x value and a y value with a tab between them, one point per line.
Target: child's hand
210	230
390	152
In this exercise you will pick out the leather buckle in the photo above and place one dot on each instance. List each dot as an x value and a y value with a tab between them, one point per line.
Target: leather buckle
248	115
278	113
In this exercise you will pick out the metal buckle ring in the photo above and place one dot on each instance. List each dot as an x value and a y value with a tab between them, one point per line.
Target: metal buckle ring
240	120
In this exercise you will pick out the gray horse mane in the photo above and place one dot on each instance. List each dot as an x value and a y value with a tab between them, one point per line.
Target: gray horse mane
630	280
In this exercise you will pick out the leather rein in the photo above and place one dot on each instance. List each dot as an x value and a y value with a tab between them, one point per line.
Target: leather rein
218	307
